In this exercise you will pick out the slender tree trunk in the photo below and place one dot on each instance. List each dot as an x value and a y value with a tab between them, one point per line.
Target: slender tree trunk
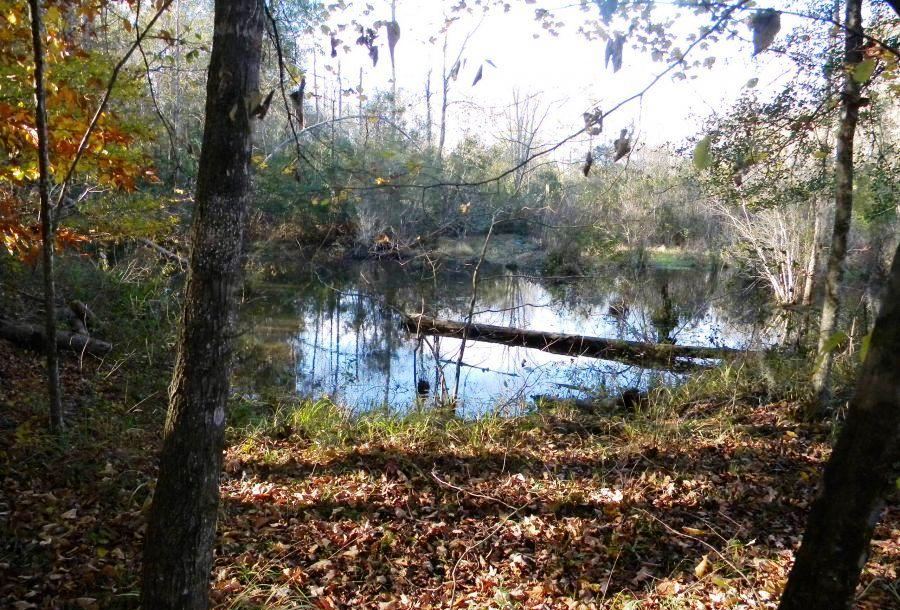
862	470
362	118
176	110
853	42
316	89
812	262
393	67
54	391
340	92
182	522
428	120
445	87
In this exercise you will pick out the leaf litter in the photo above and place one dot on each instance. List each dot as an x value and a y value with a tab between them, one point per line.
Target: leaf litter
556	511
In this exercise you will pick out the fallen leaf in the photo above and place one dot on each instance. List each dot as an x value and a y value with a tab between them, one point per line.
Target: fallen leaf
702	568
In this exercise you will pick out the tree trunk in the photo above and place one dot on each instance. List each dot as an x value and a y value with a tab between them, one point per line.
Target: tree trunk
54	391
649	355
428	121
445	90
812	262
843	206
182	521
394	113
862	469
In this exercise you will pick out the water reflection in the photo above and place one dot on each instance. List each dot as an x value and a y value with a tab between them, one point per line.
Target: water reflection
340	334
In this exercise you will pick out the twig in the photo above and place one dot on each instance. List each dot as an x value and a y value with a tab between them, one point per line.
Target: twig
465	334
473	493
515	510
713	549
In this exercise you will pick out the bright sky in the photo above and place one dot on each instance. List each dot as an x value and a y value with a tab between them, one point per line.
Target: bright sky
566	72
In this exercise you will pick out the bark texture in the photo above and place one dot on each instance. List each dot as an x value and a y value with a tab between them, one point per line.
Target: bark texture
54	391
181	529
862	470
843	200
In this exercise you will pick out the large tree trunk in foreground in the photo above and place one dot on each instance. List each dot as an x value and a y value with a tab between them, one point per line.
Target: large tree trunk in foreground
54	391
182	522
862	470
650	355
843	200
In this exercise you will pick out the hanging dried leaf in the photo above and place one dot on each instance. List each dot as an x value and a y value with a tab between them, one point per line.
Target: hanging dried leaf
765	24
614	48
478	75
334	46
588	162
393	35
593	122
297	98
622	145
454	71
262	108
367	39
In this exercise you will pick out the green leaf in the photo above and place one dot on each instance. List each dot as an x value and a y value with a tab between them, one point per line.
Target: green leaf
702	156
864	347
834	341
864	70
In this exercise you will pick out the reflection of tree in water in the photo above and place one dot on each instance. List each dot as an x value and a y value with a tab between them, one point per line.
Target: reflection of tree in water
350	344
665	318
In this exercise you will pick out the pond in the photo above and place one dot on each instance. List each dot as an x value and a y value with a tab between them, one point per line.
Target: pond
337	332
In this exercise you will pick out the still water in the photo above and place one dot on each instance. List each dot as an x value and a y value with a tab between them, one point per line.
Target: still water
337	333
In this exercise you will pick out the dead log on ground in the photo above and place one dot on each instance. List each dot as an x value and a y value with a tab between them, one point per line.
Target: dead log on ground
629	400
33	337
648	355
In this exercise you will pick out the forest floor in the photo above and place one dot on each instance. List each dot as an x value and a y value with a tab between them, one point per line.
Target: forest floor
699	507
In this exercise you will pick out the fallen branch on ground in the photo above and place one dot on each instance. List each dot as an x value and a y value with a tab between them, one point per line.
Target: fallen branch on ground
165	253
33	337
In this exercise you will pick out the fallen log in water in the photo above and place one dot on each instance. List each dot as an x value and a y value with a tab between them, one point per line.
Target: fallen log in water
33	337
649	355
